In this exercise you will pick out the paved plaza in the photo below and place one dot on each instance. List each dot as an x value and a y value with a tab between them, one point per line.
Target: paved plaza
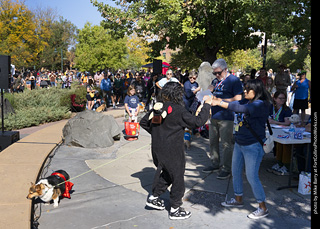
111	186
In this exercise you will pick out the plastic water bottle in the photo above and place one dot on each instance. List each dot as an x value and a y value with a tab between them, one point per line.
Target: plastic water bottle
291	131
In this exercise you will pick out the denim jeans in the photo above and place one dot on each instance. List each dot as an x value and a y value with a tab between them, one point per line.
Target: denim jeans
250	156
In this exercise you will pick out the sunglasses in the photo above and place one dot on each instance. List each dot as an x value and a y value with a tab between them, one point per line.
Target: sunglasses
193	78
217	73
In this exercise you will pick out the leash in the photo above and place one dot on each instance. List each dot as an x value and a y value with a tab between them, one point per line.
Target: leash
109	162
227	189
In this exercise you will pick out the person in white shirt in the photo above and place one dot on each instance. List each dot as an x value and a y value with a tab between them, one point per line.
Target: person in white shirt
169	78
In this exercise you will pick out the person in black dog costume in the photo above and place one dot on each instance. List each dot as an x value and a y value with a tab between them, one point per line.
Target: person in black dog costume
166	123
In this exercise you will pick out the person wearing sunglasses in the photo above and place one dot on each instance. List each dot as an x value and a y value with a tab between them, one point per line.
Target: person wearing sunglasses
248	152
169	78
228	88
191	87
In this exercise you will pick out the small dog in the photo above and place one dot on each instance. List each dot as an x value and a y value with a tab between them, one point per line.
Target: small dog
52	187
295	119
101	108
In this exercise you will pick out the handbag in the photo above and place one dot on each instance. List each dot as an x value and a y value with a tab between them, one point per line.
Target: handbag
269	143
304	186
91	94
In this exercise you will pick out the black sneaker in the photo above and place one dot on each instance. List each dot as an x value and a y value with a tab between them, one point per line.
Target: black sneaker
210	169
156	203
179	214
223	175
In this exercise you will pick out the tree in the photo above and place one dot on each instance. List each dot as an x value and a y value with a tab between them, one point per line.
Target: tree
33	38
18	34
206	27
286	18
63	35
137	51
96	49
283	53
185	59
244	60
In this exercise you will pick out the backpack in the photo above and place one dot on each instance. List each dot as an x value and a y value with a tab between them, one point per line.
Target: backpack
105	85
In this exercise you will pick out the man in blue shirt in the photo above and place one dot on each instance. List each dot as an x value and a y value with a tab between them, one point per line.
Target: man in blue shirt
106	87
228	88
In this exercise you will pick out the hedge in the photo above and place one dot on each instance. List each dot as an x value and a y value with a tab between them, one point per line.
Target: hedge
35	107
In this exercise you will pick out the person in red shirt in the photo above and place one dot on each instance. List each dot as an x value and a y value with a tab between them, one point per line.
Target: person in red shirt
263	76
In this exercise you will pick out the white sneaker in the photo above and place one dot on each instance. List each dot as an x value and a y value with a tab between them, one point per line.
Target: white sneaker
232	203
259	213
283	171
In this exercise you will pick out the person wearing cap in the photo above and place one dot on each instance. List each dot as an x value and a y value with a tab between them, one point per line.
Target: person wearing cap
282	79
301	88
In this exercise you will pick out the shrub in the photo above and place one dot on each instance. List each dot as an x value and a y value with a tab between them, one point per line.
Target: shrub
41	106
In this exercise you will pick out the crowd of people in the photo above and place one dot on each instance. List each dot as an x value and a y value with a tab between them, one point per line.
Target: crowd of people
238	106
239	102
41	79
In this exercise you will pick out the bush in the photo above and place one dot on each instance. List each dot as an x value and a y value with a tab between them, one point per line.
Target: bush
41	106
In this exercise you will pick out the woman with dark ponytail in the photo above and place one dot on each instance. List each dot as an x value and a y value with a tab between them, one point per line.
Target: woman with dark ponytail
248	152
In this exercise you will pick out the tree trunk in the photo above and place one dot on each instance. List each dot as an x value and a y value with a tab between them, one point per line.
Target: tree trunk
211	54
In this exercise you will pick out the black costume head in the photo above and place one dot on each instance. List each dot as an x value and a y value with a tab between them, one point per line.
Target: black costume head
172	92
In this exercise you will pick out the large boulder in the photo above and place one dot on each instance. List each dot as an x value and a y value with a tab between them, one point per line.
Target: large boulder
90	129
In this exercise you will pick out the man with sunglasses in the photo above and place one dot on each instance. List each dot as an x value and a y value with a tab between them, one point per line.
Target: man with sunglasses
228	88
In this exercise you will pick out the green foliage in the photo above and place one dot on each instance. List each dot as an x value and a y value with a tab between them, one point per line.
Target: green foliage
41	106
96	49
244	60
207	28
307	65
62	36
283	53
31	36
185	59
18	33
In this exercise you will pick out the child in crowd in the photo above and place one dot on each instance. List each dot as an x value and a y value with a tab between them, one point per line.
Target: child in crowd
131	102
167	134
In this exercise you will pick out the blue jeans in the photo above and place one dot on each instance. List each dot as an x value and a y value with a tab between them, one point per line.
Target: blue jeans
250	156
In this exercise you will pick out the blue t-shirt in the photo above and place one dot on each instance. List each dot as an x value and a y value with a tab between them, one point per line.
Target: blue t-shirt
302	90
188	97
225	89
256	114
132	101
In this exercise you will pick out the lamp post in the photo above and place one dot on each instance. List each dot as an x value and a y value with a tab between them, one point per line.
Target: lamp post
55	50
61	61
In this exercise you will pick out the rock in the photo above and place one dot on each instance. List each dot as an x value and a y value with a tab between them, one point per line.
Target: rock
205	75
90	129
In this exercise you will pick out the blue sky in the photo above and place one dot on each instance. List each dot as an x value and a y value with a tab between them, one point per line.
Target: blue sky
77	11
